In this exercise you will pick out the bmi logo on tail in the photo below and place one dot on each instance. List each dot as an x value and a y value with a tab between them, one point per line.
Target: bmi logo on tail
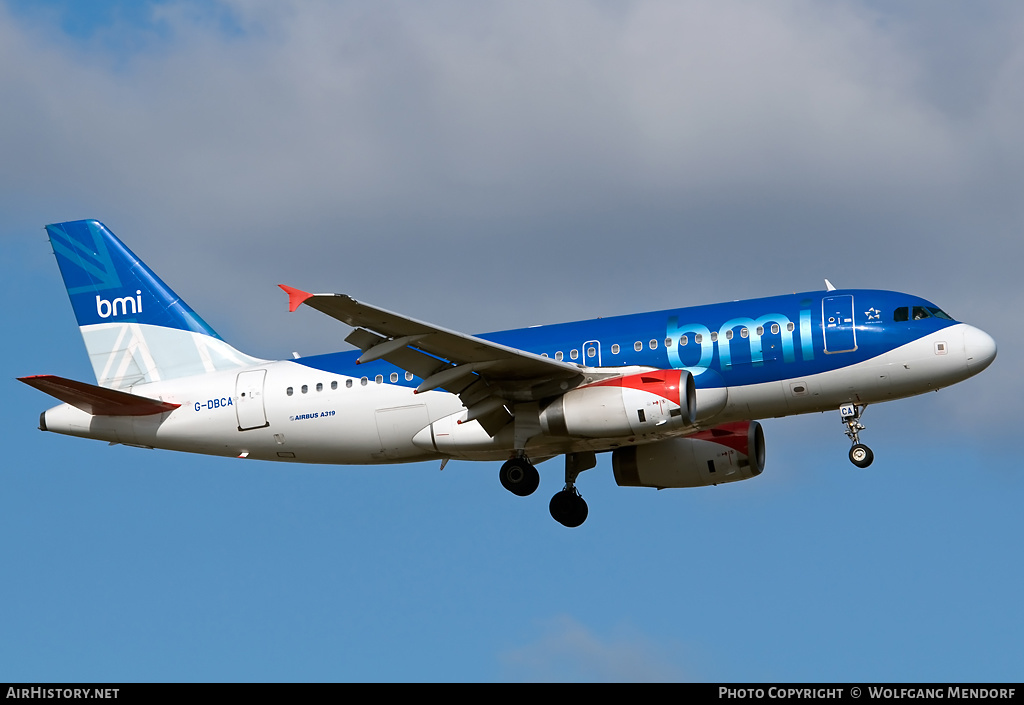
106	309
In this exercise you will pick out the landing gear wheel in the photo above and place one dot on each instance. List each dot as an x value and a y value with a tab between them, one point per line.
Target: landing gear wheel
519	477
568	508
861	455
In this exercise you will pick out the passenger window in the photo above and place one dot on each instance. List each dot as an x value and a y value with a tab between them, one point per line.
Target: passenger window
348	384
379	379
573	354
684	340
363	381
319	386
408	376
728	335
615	349
775	328
790	327
901	314
714	336
334	384
394	377
744	332
653	344
305	388
638	346
289	391
698	338
558	355
668	342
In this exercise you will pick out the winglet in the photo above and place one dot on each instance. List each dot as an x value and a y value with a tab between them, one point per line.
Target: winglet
295	296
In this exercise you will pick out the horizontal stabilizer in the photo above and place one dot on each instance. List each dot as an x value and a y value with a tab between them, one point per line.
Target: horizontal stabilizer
98	401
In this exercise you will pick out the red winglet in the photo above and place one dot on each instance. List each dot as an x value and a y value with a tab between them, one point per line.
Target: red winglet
295	296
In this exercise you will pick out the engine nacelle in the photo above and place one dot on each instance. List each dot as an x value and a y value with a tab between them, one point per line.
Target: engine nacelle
648	402
726	453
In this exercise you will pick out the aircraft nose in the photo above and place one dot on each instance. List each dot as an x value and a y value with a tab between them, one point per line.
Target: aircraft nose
979	347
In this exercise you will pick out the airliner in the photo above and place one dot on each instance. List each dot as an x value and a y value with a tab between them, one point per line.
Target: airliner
674	396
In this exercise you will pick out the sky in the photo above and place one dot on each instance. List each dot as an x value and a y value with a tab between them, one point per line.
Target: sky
486	166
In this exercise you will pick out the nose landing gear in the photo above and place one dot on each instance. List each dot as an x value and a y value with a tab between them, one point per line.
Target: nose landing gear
860	454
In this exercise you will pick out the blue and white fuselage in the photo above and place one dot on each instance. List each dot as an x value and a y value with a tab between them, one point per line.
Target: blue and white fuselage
674	394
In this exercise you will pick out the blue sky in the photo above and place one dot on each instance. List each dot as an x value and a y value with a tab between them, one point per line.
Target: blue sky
490	167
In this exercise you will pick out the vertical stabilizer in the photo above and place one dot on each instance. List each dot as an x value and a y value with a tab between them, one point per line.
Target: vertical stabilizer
136	329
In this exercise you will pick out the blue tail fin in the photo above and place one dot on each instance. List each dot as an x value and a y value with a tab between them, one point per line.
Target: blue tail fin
108	283
135	327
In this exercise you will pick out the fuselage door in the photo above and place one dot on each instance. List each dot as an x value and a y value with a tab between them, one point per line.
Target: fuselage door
592	353
249	400
837	320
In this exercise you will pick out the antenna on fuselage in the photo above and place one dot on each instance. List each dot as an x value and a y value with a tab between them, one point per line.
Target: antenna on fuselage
828	286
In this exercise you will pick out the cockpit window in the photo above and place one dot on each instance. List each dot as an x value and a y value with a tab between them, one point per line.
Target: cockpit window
918	313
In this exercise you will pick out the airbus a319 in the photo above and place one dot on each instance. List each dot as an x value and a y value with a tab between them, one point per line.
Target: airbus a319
673	395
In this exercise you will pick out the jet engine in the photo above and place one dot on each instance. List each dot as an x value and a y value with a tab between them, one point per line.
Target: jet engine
726	453
658	401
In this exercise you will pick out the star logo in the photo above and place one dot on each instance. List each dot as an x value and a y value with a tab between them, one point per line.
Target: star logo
873	314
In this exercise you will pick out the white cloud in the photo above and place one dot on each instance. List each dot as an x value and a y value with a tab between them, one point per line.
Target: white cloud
569	651
513	163
321	108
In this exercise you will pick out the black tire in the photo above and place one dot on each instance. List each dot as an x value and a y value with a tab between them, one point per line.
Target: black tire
568	508
861	455
519	477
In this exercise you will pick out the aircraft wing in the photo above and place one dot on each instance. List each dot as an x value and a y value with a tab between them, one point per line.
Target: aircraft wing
487	376
99	401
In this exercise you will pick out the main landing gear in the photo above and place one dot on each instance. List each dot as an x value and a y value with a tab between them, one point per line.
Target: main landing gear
519	476
860	454
567	507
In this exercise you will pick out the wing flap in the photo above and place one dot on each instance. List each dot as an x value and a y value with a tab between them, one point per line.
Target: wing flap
98	401
419	363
